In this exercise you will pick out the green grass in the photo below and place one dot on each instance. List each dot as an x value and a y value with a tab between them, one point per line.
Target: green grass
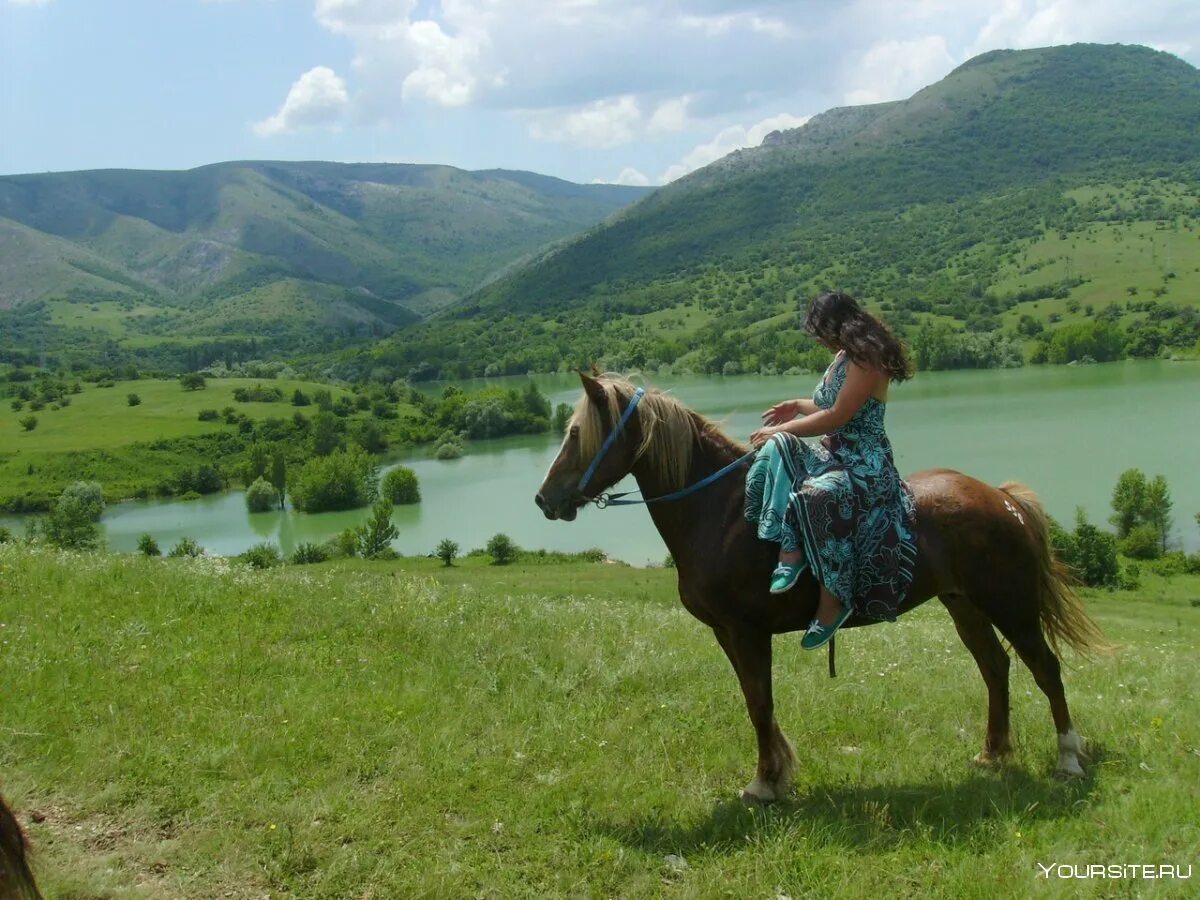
193	728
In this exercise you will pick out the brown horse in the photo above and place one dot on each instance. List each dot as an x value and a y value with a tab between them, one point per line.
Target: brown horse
16	880
983	551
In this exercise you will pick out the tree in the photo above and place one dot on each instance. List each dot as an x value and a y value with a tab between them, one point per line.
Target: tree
325	433
400	485
446	551
192	381
261	496
72	522
279	475
148	546
299	398
29	423
133	399
501	549
376	536
1128	500
1156	508
562	415
344	479
1090	552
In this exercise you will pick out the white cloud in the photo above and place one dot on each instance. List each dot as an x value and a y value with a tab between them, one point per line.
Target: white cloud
735	137
28	2
318	97
893	70
670	116
605	123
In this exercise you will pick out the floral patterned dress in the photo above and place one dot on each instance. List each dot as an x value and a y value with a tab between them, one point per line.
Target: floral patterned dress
840	502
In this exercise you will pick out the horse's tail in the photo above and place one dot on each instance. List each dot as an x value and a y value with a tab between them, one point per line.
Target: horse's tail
1063	618
16	879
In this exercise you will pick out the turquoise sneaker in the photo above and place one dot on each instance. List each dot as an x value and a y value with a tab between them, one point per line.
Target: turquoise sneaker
818	635
785	576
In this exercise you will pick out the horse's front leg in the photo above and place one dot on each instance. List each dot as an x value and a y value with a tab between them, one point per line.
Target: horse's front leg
749	650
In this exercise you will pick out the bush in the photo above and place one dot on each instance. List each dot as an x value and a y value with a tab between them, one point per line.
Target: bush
1142	542
207	415
501	549
6	535
306	554
1089	552
344	544
186	547
148	546
192	381
345	479
299	398
133	399
400	486
262	556
261	496
71	524
449	445
446	551
29	423
376	535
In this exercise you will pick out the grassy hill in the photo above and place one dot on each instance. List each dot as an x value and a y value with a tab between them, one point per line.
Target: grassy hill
277	249
196	728
943	210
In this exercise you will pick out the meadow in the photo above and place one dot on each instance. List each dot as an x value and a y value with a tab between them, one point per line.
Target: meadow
379	729
131	449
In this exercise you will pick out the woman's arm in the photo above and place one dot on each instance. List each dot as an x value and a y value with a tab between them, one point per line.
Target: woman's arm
857	389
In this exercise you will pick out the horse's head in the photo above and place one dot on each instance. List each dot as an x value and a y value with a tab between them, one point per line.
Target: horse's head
586	464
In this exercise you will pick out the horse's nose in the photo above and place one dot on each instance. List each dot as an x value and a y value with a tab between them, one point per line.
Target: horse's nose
540	500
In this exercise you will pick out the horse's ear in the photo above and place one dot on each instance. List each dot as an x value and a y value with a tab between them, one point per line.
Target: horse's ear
594	389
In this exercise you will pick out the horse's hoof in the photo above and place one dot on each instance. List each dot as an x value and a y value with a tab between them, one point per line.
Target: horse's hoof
989	760
1069	769
758	793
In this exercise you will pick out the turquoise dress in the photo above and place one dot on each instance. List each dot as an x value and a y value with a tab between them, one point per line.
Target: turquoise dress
841	503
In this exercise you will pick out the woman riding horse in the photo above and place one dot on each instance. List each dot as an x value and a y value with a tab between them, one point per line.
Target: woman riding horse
838	506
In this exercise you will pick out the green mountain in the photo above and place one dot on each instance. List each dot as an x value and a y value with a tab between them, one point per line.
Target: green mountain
255	249
1026	190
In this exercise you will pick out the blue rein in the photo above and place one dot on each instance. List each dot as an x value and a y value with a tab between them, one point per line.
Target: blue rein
605	500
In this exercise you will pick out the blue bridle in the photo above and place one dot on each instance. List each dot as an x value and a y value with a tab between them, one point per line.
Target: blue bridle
604	500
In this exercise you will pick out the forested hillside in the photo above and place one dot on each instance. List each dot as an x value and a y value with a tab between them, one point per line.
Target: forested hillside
249	256
1036	204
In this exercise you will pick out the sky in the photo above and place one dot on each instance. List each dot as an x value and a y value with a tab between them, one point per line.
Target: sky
586	90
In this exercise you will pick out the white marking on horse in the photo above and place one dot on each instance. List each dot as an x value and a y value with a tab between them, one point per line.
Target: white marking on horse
1016	512
1070	746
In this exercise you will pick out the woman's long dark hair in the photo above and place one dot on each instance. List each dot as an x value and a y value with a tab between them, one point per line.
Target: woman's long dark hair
838	319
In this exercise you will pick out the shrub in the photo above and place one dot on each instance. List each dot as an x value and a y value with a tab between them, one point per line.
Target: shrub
376	535
6	535
148	546
400	486
207	415
262	556
344	543
299	398
1090	552
261	496
449	445
501	549
446	551
29	422
71	524
345	479
17	405
192	381
562	415
307	553
1142	542
186	547
133	399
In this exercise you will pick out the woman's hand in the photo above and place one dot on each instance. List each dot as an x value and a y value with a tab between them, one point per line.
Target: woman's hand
782	412
762	435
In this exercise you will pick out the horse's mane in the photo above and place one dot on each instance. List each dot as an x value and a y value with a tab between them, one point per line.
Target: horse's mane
16	880
670	430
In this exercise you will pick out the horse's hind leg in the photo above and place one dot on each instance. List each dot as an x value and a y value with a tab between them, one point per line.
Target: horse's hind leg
1020	625
977	634
749	651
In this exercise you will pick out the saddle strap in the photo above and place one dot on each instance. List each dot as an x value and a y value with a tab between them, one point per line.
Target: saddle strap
832	662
